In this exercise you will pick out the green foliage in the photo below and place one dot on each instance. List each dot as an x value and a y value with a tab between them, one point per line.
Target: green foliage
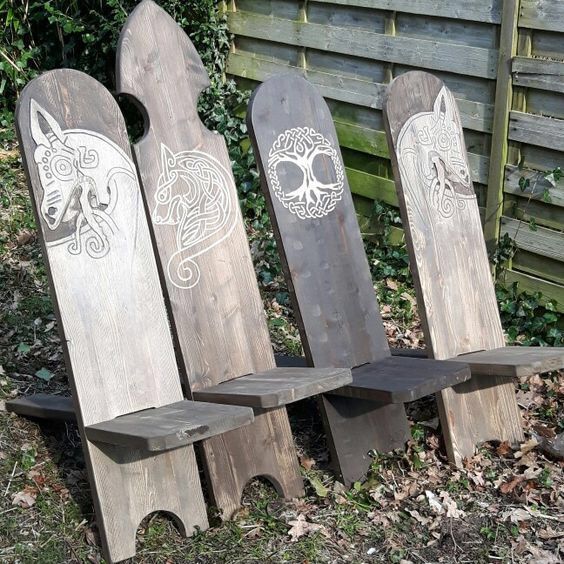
526	320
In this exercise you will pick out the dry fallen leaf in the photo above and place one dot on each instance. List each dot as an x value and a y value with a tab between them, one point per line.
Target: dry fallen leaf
508	487
25	498
300	527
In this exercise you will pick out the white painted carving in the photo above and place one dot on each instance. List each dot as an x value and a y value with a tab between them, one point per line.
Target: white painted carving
432	157
194	193
77	172
312	198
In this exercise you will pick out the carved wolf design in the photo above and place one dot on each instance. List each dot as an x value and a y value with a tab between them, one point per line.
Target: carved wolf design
431	153
77	170
193	194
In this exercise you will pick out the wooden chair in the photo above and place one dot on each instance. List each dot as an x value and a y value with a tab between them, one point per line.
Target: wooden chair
328	276
450	266
137	430
215	304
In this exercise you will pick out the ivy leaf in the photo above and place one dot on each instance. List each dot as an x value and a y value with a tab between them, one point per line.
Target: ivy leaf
23	348
44	374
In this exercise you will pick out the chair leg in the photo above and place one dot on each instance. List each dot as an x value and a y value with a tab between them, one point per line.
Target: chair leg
482	409
356	426
128	485
263	448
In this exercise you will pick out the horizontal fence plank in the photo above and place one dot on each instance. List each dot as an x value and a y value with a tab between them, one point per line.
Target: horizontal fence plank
487	11
422	53
534	212
527	283
542	241
537	130
372	186
538	187
546	15
474	115
373	142
542	74
538	266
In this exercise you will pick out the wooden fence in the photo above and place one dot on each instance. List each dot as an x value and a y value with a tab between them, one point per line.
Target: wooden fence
504	61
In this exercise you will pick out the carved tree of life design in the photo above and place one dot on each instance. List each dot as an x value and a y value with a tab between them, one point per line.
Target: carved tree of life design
194	194
78	170
431	152
312	198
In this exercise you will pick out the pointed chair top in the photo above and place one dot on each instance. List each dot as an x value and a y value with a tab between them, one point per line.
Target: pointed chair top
192	200
96	246
441	217
315	223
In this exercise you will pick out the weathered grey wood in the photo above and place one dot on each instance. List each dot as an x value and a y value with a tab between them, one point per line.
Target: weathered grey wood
547	15
448	256
373	142
515	362
451	57
542	241
108	299
43	406
325	265
398	379
216	310
503	100
413	353
474	115
171	426
488	11
538	185
276	387
538	73
356	428
537	130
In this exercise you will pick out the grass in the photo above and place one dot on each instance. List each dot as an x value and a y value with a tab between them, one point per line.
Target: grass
501	507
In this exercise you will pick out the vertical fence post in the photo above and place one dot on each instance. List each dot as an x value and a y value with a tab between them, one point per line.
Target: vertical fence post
503	100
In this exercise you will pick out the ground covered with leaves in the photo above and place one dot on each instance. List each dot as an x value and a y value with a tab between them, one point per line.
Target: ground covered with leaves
505	505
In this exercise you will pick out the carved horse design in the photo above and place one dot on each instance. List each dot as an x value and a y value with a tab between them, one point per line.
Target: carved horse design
431	151
194	194
77	172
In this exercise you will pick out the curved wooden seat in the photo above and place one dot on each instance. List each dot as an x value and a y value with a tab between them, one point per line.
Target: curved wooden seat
276	387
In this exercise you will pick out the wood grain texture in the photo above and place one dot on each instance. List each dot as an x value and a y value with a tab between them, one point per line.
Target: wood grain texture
108	298
448	255
451	57
171	426
323	258
542	131
356	428
400	379
545	242
276	387
216	310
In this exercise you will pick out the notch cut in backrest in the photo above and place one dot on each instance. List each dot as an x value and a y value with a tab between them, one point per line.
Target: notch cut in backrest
193	204
441	217
314	220
97	247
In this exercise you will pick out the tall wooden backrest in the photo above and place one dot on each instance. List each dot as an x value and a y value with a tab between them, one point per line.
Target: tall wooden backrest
107	293
315	224
192	201
445	239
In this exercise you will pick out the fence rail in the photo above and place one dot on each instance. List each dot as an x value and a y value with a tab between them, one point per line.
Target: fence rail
504	62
